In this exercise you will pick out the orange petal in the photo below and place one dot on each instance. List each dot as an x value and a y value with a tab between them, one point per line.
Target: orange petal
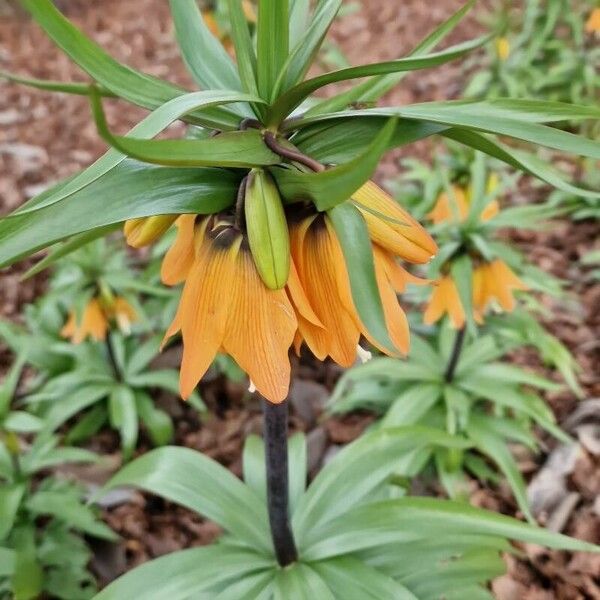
68	330
450	209
180	256
395	318
260	330
436	307
204	310
398	275
395	229
145	230
508	275
298	297
325	280
490	211
454	306
93	323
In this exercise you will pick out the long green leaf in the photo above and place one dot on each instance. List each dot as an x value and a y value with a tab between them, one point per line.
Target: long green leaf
409	520
7	562
351	577
244	49
149	127
355	472
10	501
493	446
373	89
287	102
301	582
125	82
307	47
340	141
129	191
482	116
68	247
123	416
462	274
333	186
203	54
195	481
518	159
78	89
272	43
299	17
238	149
351	230
70	511
194	573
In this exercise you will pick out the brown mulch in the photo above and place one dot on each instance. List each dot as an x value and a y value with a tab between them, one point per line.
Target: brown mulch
45	137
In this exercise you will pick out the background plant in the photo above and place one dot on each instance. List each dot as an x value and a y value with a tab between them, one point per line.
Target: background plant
42	518
354	534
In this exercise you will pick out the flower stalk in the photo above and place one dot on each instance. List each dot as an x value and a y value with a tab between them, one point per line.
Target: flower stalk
276	457
455	355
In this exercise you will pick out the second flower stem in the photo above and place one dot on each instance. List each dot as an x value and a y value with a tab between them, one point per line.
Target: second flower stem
455	355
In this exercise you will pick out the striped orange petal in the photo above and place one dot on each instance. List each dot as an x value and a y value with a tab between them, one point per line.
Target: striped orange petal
260	330
179	258
448	208
204	309
445	300
392	227
146	230
322	272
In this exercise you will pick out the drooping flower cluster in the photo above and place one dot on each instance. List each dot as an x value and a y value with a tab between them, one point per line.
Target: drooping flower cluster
226	307
493	286
493	281
95	319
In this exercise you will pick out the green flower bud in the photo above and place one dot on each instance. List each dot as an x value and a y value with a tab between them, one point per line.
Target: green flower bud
267	229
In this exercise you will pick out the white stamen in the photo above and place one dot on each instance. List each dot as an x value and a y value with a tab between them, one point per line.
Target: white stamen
252	387
363	355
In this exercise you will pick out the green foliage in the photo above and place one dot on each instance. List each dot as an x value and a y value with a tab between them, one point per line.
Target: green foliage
547	54
491	403
353	532
110	384
42	519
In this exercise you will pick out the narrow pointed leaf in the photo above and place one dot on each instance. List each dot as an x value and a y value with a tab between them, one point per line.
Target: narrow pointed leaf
203	54
333	186
149	127
510	119
272	43
129	191
244	49
78	89
299	17
351	230
343	140
347	576
355	472
68	247
185	574
286	103
307	47
242	149
518	159
374	89
125	82
195	481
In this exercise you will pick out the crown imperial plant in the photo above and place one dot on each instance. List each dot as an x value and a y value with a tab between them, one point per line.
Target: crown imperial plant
308	252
